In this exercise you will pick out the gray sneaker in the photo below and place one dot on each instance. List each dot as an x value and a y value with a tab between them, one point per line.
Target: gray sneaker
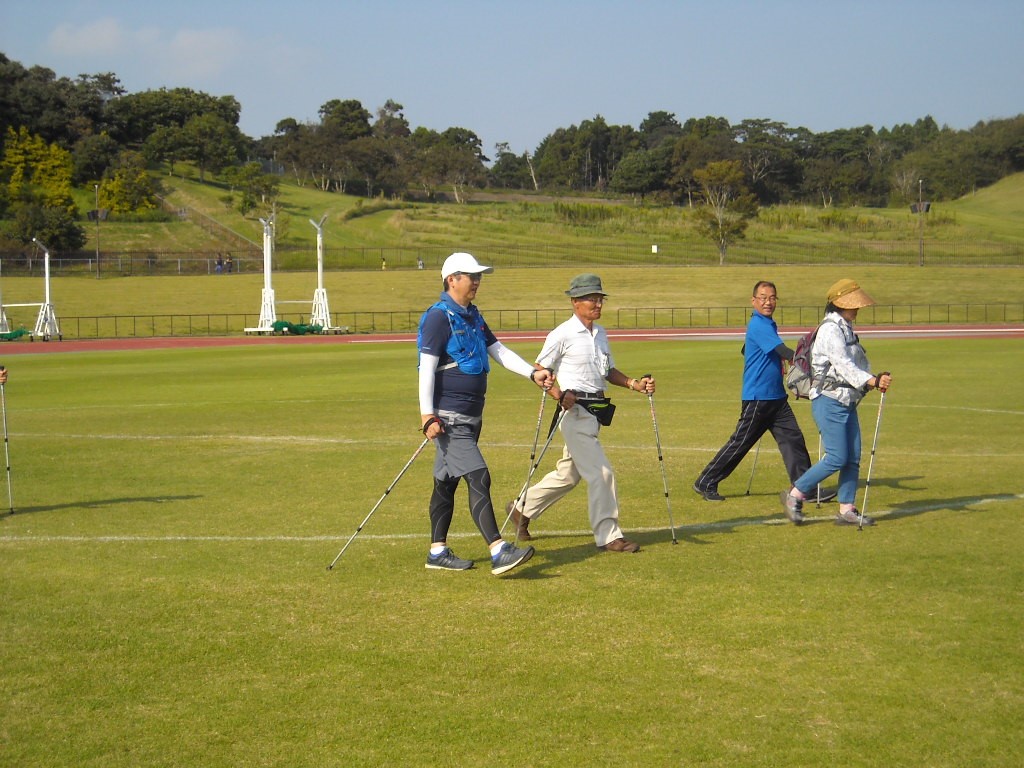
448	561
509	557
793	507
852	517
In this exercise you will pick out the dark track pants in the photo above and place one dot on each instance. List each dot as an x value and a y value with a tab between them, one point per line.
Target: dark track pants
756	418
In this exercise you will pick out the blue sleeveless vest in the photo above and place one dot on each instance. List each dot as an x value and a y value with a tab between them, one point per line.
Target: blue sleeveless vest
467	345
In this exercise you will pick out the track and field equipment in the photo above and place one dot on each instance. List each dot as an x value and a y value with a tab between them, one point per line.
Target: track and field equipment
47	325
320	312
661	461
380	501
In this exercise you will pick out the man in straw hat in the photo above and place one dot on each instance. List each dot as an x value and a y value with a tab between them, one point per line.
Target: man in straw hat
842	377
578	353
454	344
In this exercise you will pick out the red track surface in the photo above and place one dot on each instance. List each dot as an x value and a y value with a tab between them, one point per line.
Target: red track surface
662	334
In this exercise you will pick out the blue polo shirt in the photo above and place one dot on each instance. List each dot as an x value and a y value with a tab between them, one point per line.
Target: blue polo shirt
762	366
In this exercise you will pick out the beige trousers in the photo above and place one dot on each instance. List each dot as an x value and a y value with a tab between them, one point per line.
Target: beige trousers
583	458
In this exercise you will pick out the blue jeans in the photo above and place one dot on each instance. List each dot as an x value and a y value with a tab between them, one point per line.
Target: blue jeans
840	435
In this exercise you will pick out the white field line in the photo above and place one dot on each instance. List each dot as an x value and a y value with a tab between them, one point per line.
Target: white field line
302	440
299	439
339	402
724	525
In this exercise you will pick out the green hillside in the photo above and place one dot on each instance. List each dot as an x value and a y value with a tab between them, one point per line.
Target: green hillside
991	215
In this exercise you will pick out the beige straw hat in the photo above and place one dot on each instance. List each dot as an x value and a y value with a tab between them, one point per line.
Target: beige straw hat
846	294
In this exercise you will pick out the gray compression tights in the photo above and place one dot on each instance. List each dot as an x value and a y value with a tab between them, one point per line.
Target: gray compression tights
442	506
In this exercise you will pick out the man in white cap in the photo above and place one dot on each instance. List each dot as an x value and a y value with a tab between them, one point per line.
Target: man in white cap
454	344
578	352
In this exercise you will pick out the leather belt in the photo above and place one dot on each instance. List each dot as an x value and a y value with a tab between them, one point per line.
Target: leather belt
588	397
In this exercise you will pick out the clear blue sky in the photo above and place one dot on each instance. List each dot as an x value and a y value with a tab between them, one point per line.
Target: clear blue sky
516	70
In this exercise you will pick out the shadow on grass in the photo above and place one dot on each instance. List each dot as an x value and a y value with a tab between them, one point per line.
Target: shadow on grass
556	556
100	504
954	504
553	559
824	514
898	483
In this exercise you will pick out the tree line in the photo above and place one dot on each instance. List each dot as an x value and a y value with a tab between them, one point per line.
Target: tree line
57	133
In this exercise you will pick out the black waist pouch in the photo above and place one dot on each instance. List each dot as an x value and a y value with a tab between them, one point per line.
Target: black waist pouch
603	410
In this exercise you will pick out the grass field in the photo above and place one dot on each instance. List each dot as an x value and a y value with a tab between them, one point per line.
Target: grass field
166	599
801	289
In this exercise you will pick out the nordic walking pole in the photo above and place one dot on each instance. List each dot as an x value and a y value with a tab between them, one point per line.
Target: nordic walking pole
533	468
871	463
818	506
380	501
753	466
533	450
661	461
7	450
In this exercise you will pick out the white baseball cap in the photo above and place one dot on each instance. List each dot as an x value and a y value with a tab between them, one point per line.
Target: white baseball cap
465	263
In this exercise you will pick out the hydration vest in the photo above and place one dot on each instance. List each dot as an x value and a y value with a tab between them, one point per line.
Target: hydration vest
466	345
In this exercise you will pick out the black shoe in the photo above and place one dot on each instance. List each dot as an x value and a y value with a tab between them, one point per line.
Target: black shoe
710	494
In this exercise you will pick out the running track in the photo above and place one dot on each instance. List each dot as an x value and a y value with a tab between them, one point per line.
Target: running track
662	334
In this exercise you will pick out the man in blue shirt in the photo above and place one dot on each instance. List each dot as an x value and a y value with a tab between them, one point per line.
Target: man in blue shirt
765	406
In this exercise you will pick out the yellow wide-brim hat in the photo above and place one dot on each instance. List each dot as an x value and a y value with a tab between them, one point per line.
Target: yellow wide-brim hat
846	294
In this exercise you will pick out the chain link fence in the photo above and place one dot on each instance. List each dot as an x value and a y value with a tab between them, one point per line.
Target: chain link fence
130	263
541	320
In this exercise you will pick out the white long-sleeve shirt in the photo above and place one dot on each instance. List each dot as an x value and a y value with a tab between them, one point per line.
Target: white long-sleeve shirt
838	362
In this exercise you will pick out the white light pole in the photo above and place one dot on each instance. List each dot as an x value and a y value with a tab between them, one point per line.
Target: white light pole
920	222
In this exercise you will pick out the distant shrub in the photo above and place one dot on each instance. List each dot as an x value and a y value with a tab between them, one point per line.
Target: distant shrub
378	205
583	214
141	216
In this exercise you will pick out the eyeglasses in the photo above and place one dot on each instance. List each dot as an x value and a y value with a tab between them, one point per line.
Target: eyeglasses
473	277
594	298
766	299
